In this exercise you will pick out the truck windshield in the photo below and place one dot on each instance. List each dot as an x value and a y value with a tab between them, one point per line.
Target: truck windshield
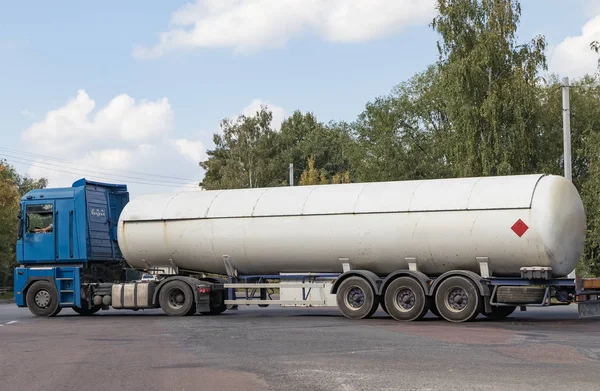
39	218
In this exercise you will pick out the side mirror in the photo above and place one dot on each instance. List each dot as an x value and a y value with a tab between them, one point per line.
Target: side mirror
20	217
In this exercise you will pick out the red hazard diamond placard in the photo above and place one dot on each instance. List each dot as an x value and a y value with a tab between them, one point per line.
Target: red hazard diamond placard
519	227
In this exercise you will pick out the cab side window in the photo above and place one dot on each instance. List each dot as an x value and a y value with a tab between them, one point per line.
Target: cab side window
40	218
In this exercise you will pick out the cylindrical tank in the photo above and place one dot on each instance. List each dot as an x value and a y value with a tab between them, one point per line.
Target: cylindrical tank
446	224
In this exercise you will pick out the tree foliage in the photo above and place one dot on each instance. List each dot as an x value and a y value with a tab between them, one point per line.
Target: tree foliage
313	176
12	187
488	85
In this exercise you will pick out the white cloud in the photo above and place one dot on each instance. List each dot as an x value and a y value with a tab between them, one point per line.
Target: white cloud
124	142
192	150
277	111
573	56
247	26
74	128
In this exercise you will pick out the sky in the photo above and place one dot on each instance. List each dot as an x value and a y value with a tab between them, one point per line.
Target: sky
133	91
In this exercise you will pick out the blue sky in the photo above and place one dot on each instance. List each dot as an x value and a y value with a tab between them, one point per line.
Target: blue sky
61	66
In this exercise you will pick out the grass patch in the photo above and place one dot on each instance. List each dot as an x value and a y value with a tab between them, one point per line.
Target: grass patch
7	295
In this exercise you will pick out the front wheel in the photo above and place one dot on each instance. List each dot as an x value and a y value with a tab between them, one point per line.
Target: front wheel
177	299
42	299
356	299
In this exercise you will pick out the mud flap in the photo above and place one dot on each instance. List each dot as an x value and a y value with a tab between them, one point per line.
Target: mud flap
589	309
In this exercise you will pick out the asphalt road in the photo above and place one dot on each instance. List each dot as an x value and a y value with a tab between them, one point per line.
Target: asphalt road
297	349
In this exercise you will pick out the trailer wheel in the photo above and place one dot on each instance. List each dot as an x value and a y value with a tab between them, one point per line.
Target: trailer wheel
500	312
356	299
42	299
405	299
176	298
458	300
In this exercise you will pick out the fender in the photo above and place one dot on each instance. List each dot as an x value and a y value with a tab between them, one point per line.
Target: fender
190	281
417	275
371	277
28	283
484	289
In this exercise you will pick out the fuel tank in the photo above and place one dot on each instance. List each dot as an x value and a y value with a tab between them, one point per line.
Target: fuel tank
444	224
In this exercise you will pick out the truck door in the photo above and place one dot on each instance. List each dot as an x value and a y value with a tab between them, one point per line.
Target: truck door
20	233
39	239
66	235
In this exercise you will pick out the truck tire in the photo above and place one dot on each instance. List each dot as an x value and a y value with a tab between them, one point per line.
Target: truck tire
42	299
215	310
356	299
520	295
85	311
457	299
176	298
405	299
499	312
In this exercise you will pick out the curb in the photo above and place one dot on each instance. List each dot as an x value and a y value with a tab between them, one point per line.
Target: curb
7	301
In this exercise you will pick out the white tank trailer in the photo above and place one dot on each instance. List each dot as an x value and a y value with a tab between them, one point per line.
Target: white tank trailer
433	226
455	247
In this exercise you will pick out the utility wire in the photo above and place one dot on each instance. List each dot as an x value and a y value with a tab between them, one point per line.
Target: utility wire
128	177
13	151
104	177
88	172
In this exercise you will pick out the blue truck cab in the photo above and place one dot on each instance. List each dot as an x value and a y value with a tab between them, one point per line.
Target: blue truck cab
67	236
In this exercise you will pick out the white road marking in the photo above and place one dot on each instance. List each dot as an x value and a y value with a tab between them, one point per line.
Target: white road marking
11	322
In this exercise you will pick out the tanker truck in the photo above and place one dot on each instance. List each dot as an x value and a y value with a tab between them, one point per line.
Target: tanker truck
456	248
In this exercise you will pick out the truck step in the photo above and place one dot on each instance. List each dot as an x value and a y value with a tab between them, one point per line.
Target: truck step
67	303
64	279
66	291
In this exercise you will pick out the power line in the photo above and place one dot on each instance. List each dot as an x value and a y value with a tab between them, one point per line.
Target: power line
90	165
101	176
127	177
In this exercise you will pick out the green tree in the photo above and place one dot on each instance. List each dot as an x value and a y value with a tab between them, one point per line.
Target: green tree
242	154
585	146
396	134
250	154
488	84
12	187
303	136
313	176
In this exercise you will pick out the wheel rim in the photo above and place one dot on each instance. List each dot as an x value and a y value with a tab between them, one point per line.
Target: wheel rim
404	299
355	298
42	298
457	299
176	298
